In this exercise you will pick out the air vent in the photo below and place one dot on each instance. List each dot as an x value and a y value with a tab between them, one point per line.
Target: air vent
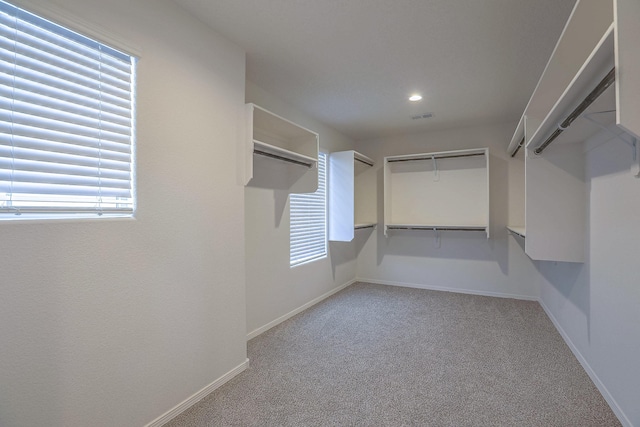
422	116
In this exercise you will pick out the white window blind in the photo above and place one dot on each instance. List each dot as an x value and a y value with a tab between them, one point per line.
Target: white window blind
66	120
308	215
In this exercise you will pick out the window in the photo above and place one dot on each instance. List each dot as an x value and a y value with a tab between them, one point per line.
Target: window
66	121
309	220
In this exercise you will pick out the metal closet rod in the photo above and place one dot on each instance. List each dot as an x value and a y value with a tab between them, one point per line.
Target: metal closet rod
595	93
431	228
275	156
363	161
518	147
449	156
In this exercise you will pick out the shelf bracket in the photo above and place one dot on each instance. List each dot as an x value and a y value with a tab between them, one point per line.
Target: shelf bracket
633	143
436	174
605	128
435	230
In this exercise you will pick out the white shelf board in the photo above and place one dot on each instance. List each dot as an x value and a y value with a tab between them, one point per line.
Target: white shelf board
520	231
283	153
599	63
359	157
271	123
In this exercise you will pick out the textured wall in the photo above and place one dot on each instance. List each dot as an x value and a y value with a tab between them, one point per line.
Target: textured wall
113	322
597	304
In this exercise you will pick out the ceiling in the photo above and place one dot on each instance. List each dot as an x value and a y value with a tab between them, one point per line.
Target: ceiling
352	64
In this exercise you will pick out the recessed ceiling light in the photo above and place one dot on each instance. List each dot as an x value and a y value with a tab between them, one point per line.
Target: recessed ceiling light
415	98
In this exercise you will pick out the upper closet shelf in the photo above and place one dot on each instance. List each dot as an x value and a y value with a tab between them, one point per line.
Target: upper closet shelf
275	137
596	72
361	158
590	81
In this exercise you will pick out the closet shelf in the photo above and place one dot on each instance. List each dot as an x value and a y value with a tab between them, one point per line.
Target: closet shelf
346	214
518	231
268	150
588	87
359	157
594	69
442	191
269	135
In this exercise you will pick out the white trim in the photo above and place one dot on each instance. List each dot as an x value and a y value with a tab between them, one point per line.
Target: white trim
444	289
195	398
300	309
585	365
60	16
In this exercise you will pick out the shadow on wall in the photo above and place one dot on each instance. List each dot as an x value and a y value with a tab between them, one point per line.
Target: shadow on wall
361	237
572	280
279	176
343	251
284	179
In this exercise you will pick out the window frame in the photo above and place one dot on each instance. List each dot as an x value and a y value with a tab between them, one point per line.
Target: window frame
69	23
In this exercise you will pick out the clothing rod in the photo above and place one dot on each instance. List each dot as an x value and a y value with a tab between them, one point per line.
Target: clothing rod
595	93
359	227
274	156
363	161
518	147
449	156
427	228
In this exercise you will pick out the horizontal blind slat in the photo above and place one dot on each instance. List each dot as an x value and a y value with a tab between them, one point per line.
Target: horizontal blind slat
47	157
39	76
37	112
63	129
88	75
12	96
27	148
63	168
36	88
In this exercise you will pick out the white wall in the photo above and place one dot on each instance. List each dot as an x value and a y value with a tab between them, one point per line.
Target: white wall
597	304
273	288
464	261
113	322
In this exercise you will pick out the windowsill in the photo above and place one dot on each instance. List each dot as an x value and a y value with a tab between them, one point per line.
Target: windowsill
48	219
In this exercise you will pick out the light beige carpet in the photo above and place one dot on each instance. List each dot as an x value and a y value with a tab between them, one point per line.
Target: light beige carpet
375	355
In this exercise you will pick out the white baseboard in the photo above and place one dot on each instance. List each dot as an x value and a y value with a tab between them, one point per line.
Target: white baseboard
198	396
300	309
585	365
444	289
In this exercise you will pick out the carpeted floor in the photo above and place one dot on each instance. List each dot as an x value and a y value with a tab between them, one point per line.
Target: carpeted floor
375	355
